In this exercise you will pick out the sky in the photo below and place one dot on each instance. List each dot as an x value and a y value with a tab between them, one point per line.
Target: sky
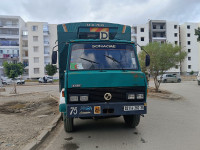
127	12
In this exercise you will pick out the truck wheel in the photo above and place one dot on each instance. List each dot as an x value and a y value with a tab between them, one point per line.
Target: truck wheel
164	81
179	80
132	120
68	124
198	82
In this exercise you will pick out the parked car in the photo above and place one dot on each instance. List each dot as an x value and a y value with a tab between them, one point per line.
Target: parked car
6	80
18	81
45	79
198	78
169	78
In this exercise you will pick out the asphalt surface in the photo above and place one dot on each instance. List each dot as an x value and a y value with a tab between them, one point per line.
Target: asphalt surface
169	125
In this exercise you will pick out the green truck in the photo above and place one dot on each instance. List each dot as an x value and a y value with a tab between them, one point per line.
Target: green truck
99	73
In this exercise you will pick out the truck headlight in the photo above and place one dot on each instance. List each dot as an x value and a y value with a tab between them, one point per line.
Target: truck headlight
73	98
140	96
131	96
84	98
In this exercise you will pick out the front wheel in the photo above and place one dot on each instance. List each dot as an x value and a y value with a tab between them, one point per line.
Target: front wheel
68	124
132	120
179	80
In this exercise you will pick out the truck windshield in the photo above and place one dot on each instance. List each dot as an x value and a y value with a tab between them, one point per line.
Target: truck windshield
102	56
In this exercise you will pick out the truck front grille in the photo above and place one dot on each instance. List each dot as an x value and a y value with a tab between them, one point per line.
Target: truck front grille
97	94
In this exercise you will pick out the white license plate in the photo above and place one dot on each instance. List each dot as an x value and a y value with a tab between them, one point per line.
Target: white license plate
133	108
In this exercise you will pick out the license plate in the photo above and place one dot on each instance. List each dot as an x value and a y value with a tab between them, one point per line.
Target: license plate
133	108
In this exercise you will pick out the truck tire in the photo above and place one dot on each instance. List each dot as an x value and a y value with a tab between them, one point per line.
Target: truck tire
68	124
164	81
198	82
179	80
132	120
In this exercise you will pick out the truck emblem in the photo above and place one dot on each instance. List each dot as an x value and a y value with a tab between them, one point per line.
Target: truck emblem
107	96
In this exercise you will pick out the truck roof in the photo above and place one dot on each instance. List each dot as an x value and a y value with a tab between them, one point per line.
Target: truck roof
97	40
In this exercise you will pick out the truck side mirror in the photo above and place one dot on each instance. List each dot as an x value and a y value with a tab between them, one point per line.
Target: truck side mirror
54	57
147	61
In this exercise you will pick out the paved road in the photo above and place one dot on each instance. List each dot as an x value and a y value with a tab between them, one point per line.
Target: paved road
169	125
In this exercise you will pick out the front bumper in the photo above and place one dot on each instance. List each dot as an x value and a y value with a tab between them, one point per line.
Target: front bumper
105	109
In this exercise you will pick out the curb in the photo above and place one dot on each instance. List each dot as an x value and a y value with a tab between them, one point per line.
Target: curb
43	135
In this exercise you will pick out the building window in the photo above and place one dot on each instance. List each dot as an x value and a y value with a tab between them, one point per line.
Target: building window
36	59
189	42
176	66
189	50
189	66
142	38
141	29
34	28
161	27
175	26
188	26
36	70
189	58
154	34
154	26
35	38
175	34
35	48
188	35
176	42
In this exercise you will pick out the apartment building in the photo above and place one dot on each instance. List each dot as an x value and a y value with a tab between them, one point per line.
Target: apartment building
28	42
37	42
191	46
140	35
161	31
10	37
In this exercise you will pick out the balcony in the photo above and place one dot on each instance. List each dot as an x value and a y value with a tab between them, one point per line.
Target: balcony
9	56
46	63
24	37
6	25
9	36
46	43
9	43
46	54
45	33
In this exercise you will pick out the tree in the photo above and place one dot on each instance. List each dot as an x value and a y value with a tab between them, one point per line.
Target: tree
163	57
197	32
51	69
13	70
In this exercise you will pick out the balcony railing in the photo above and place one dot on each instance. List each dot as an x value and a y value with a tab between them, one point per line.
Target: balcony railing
9	43
9	25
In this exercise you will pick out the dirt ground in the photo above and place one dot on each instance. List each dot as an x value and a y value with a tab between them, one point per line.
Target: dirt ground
23	117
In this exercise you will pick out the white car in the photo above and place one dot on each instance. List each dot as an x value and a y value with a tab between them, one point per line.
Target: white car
6	80
169	78
45	79
18	81
198	78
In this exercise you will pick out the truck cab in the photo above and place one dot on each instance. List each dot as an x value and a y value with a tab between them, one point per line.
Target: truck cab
99	72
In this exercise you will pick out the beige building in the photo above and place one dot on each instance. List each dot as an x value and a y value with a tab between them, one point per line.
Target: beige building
191	46
37	42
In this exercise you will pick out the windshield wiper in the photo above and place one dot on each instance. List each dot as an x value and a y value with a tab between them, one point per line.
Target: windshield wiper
114	60
89	60
92	62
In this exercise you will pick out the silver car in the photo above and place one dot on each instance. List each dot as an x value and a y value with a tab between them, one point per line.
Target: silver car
169	78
